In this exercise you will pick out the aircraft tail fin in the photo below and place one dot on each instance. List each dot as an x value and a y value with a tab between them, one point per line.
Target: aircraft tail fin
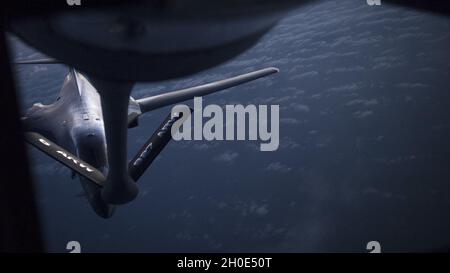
66	158
158	101
153	147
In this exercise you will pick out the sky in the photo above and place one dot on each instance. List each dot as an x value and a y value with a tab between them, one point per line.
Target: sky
363	156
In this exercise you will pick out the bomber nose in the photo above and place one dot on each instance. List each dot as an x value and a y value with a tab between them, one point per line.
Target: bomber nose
119	190
93	194
102	208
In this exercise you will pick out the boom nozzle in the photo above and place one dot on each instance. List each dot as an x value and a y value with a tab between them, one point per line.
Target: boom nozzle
119	190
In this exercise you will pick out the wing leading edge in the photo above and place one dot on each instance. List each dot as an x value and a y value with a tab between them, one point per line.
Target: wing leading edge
66	158
158	101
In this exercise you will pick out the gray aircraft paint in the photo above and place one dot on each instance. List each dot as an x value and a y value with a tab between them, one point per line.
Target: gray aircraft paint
73	126
75	122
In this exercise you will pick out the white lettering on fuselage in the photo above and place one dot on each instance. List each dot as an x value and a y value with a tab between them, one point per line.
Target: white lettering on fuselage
76	162
44	142
160	134
64	154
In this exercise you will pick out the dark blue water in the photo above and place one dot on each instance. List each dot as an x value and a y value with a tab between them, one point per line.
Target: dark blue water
364	150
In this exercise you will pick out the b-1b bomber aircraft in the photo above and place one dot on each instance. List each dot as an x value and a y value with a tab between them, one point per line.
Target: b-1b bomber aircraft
72	131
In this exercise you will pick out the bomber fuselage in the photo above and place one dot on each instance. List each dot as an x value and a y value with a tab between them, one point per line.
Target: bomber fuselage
75	122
